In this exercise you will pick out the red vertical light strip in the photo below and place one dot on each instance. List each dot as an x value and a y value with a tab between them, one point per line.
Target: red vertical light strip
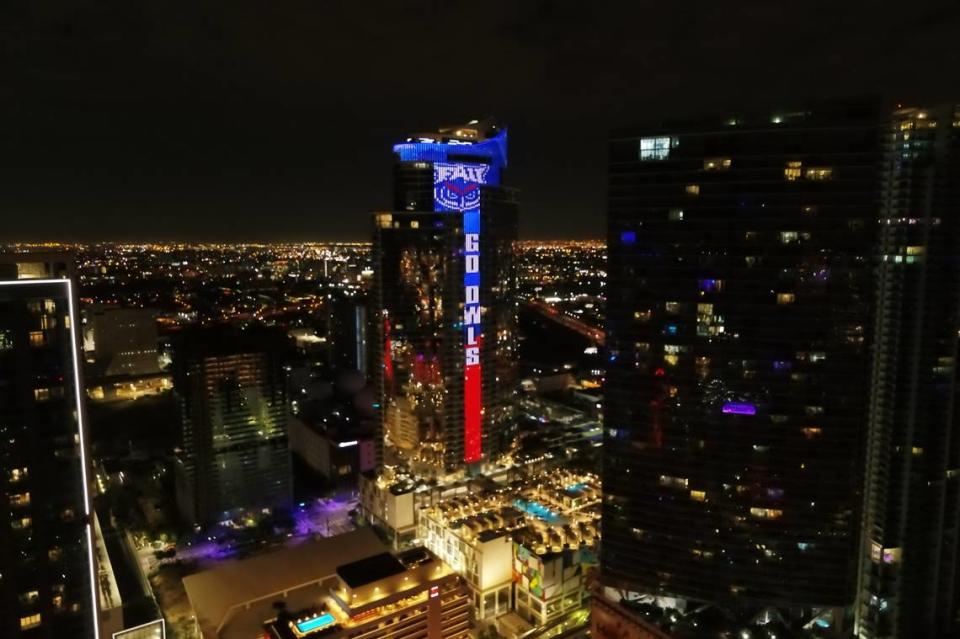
472	413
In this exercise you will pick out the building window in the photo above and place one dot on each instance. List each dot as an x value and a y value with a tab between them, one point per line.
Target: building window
30	621
672	307
675	215
698	495
785	298
6	341
16	474
819	173
414	224
21	524
37	338
717	164
692	189
30	597
642	316
811	432
656	148
788	237
41	394
793	170
674	482
766	513
20	499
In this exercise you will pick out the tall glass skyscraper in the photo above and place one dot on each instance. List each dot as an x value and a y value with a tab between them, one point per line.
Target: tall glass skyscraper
736	392
235	454
444	320
782	331
48	579
909	585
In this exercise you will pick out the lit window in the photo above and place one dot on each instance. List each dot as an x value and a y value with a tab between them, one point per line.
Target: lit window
6	341
21	524
29	597
785	298
892	555
788	237
917	451
37	338
809	210
698	495
21	499
876	552
643	316
16	474
49	307
792	170
674	482
717	164
818	173
766	513
671	360
656	148
710	285
676	215
414	224
41	394
915	250
692	189
642	347
384	220
672	307
811	431
30	621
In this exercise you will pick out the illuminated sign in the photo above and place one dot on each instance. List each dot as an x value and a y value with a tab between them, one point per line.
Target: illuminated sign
457	189
457	186
348	444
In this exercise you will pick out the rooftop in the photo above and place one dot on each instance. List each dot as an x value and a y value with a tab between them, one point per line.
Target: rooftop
216	593
370	569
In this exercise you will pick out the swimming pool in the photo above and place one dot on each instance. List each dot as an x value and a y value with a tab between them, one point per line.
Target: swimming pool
315	623
538	510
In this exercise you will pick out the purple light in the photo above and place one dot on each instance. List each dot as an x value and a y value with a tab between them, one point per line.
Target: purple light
739	408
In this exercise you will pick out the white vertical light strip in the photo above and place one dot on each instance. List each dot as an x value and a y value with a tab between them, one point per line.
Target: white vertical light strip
83	458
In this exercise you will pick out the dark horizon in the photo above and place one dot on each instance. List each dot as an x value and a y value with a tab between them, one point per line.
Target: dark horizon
242	122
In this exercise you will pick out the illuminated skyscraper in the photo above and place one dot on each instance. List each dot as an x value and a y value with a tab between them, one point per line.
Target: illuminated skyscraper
909	581
235	454
444	316
47	565
738	306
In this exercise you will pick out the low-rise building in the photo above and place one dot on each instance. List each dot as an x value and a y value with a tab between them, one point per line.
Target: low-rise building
387	502
412	595
526	546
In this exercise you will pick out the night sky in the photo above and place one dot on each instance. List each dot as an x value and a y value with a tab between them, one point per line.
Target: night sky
272	120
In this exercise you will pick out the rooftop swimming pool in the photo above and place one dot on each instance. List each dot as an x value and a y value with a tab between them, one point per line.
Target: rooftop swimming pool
538	510
315	623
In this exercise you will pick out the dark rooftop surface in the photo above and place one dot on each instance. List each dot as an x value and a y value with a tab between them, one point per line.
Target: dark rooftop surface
366	571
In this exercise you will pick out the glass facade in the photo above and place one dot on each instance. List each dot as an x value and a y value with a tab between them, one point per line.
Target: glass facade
739	303
235	453
46	563
445	315
912	516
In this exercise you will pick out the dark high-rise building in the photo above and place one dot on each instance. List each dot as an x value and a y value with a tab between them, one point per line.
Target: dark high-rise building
444	314
912	516
235	453
47	566
739	302
347	332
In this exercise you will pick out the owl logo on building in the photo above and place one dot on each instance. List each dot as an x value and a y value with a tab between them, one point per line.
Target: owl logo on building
457	186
